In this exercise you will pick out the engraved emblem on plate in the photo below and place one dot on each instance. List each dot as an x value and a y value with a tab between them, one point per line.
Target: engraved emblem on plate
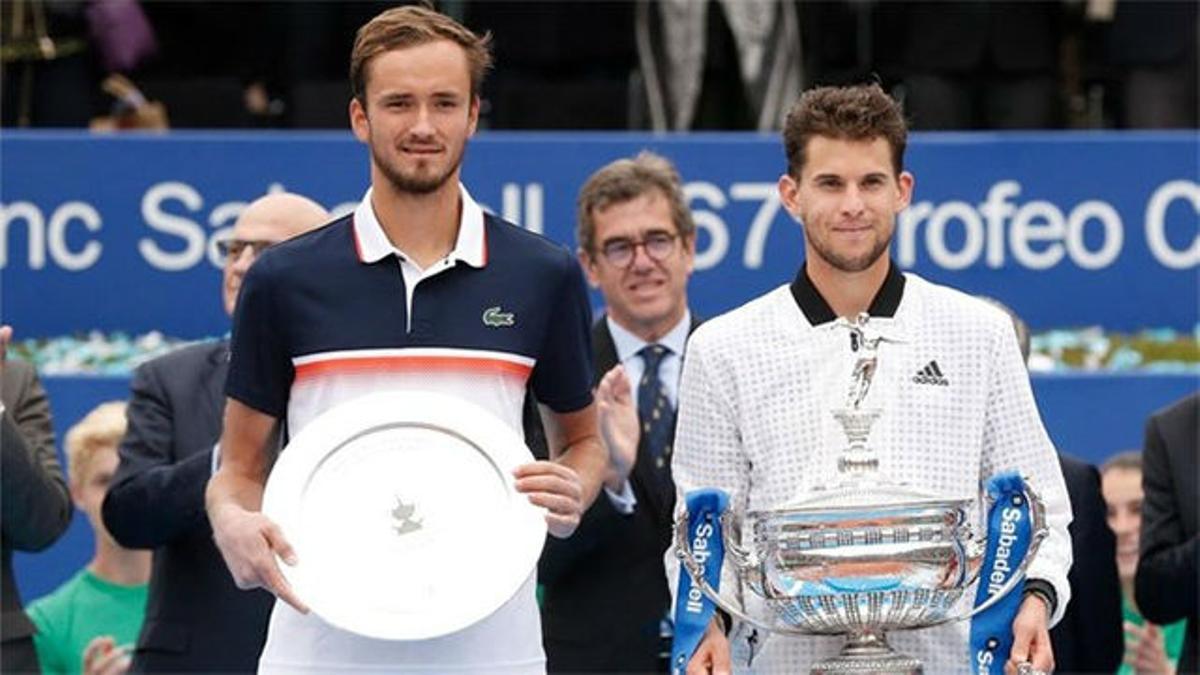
403	520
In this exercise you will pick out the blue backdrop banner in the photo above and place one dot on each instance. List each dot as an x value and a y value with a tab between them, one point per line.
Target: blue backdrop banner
1070	229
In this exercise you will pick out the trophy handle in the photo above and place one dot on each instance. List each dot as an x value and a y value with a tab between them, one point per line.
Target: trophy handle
1037	516
683	551
746	562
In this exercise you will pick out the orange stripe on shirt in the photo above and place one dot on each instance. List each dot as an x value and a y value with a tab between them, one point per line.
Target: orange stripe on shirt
412	363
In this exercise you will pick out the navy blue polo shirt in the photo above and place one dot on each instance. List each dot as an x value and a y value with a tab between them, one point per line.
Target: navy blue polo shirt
324	318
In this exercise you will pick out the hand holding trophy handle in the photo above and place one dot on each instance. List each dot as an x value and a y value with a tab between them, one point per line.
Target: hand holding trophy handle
746	563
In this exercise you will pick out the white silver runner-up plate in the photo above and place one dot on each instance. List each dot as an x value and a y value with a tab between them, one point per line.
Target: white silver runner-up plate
404	515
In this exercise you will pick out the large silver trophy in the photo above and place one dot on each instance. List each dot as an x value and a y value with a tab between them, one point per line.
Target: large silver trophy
860	559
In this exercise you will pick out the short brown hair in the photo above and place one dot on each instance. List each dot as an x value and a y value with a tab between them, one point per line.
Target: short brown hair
101	429
410	26
857	113
1129	460
625	180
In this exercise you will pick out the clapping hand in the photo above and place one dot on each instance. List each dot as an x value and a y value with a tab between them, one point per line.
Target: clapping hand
618	425
1144	650
102	656
5	337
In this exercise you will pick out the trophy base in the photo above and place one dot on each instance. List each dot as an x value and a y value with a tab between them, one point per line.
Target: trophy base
868	653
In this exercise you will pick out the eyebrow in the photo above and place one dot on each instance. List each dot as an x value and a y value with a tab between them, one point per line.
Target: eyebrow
394	95
643	234
838	176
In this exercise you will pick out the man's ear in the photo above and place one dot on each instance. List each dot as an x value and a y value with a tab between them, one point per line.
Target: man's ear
359	124
789	194
76	490
905	184
589	267
689	250
473	115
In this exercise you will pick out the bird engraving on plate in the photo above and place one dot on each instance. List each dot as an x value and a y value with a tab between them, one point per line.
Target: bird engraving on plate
403	521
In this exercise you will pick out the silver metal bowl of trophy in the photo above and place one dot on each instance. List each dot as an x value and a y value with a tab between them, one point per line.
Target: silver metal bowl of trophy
836	564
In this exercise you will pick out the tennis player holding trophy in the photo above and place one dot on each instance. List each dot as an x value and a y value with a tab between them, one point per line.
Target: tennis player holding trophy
859	455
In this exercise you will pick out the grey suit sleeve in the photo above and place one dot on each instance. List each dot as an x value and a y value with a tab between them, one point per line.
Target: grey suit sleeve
155	497
36	503
1166	585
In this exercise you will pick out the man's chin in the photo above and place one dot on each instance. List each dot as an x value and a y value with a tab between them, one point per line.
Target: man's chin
421	184
652	315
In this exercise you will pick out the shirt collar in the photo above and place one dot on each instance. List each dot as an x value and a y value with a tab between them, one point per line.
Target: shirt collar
817	310
373	245
628	345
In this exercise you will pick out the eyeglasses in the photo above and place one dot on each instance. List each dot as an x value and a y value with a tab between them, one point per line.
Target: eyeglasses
621	252
233	248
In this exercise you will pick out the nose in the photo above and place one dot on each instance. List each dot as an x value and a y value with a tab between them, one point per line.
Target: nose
423	126
1124	525
641	259
852	200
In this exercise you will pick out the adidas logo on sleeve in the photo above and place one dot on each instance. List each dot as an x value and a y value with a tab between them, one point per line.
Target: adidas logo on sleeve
931	374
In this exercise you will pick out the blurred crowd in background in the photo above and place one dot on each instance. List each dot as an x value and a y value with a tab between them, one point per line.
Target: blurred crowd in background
619	64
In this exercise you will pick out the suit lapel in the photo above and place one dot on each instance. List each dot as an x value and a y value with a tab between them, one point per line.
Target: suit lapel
604	349
214	384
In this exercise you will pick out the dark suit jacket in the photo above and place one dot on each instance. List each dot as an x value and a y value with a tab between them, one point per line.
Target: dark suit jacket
1166	586
1089	638
605	588
196	618
36	503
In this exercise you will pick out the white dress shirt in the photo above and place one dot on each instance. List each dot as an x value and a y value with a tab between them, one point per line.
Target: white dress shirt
628	346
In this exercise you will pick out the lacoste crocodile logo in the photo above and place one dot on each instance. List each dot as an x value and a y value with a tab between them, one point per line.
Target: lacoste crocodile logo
402	518
493	317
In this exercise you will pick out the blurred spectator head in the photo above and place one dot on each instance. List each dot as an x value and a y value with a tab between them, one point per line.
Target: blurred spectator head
624	180
410	26
854	113
92	458
266	221
637	243
1121	484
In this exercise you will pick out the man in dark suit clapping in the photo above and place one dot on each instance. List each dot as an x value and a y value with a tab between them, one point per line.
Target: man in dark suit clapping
637	245
196	618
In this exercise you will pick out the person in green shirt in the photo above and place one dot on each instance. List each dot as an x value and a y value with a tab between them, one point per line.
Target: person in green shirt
1149	649
89	624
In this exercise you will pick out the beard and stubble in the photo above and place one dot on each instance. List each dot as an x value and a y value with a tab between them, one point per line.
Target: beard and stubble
850	264
416	182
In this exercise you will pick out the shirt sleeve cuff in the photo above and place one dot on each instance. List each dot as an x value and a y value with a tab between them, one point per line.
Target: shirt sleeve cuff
216	458
624	501
1044	590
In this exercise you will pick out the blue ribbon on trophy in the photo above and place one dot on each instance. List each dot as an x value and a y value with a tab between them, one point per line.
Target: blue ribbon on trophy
1010	530
693	609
